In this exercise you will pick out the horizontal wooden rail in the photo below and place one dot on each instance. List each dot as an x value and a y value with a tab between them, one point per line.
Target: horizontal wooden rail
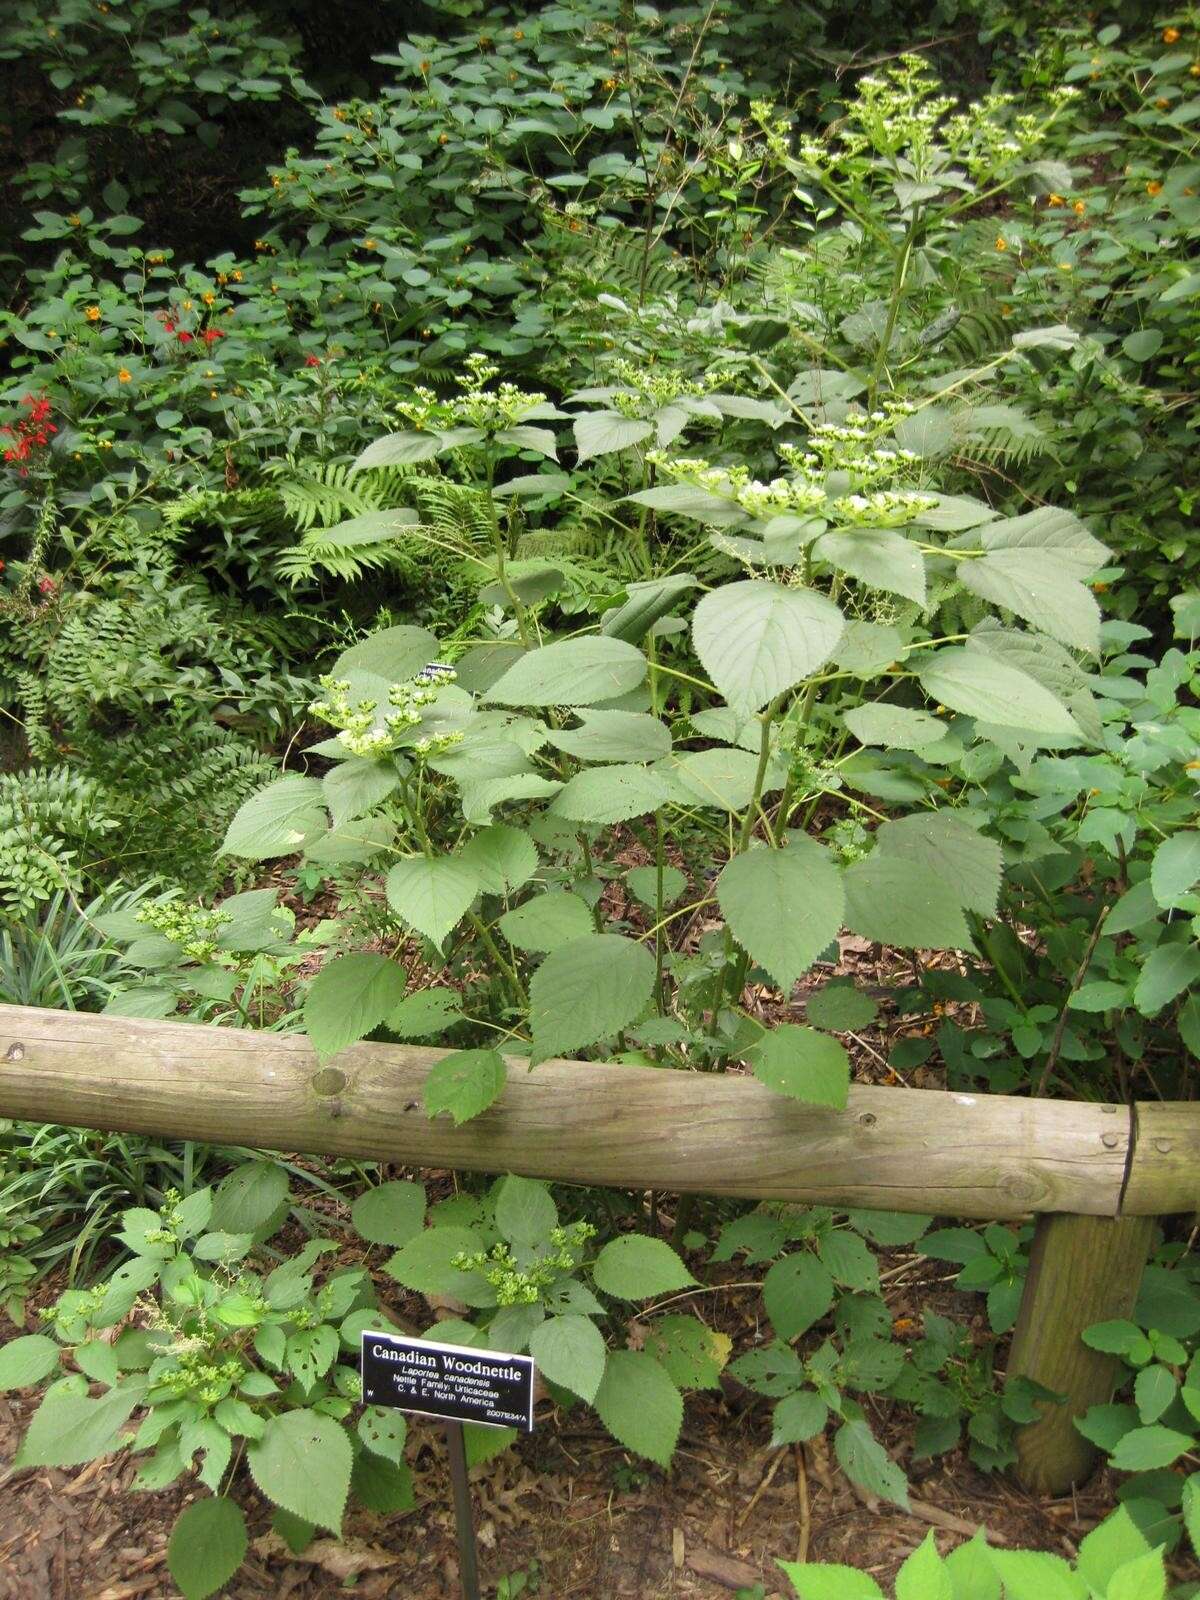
961	1155
1095	1174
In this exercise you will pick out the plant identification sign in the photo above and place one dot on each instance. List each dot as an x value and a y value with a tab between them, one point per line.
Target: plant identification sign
454	1382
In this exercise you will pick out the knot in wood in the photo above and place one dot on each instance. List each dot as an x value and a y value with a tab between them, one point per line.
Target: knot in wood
1162	1146
328	1081
1111	1140
867	1119
15	1052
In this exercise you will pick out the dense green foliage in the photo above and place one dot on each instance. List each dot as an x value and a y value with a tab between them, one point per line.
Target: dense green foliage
605	519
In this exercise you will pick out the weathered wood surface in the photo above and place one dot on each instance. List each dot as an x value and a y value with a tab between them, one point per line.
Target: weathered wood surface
1082	1270
1164	1174
970	1156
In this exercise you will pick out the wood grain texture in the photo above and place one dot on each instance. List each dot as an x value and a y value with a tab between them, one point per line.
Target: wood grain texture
1164	1174
1081	1270
970	1156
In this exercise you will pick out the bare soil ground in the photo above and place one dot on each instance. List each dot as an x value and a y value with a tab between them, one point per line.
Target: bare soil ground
598	1524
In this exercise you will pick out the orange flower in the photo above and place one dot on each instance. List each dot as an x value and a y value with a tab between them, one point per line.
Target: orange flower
208	297
75	219
1055	200
92	313
1001	242
1079	207
1153	188
1194	69
1170	35
1162	102
124	375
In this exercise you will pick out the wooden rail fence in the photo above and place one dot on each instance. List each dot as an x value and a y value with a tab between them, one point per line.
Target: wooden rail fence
1095	1176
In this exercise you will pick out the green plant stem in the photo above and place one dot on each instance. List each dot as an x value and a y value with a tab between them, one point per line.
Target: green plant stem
508	971
743	843
904	256
505	582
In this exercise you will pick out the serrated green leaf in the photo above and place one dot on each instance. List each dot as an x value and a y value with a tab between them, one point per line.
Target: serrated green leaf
635	1267
995	692
426	1263
1035	585
783	906
1175	870
569	1350
502	858
1167	971
547	921
69	1429
389	1213
571	672
610	794
643	884
599	433
525	1211
615	736
427	1012
464	1084
865	1462
208	1544
945	845
350	996
249	1198
692	1355
27	1360
895	901
1114	1542
893	727
881	558
588	990
302	1463
803	1064
755	639
639	1405
1142	1449
432	893
721	776
797	1292
357	786
825	1580
923	1575
1051	529
840	1008
279	820
645	603
383	1432
798	1418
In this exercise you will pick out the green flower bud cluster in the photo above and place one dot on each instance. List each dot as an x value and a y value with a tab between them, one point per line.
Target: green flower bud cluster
515	1285
358	720
193	927
883	508
652	388
195	1376
475	406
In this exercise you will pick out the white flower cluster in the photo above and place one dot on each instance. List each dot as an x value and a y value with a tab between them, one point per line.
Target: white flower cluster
757	499
475	406
883	508
652	388
357	720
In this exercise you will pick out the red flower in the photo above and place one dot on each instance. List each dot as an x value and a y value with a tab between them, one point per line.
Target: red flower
31	433
185	337
312	361
211	335
47	585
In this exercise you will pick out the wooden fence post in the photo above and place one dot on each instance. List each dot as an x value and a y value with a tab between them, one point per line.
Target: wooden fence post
1082	1270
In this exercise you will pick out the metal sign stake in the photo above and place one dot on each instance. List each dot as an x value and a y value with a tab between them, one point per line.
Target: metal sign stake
468	1555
